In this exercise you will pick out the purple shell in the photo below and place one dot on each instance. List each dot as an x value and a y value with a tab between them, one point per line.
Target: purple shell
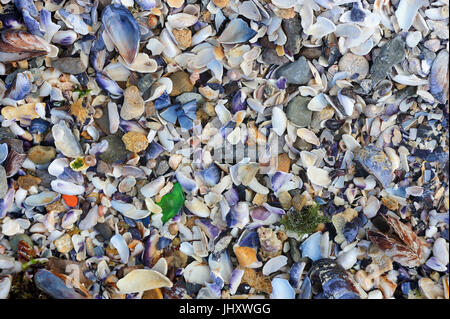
295	274
238	216
6	202
109	85
238	103
249	239
235	280
279	179
150	248
232	196
275	210
154	150
208	228
20	88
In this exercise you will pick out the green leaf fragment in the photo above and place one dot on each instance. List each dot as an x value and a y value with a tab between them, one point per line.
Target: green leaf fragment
172	202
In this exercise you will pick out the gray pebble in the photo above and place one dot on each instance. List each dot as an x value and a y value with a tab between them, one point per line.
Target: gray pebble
69	65
293	30
297	111
297	72
391	53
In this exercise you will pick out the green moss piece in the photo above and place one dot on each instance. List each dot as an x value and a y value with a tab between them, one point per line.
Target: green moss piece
172	202
304	222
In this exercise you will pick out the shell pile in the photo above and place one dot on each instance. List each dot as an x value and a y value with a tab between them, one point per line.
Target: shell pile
185	149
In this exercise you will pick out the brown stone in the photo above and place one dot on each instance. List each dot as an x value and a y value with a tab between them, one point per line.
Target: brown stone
41	154
181	83
28	181
284	163
135	141
299	201
221	3
183	37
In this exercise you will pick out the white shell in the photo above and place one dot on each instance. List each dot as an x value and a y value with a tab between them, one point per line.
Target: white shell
318	176
274	264
140	280
279	120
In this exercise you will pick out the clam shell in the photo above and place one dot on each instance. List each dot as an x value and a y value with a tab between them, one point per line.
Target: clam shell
439	77
140	280
237	31
41	199
281	289
123	30
274	264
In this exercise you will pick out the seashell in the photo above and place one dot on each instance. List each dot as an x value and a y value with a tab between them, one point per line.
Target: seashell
435	264
123	30
336	282
348	258
274	264
20	45
66	188
20	88
5	287
90	220
237	31
238	215
376	162
109	85
235	280
317	103
41	199
161	266
202	35
117	71
142	64
318	176
255	186
10	227
406	12
153	188
321	28
3	152
279	121
56	286
295	274
140	280
129	210
188	184
439	77
65	141
279	179
70	218
305	289
350	142
146	4
281	289
211	175
197	207
181	20
13	162
197	273
120	244
440	251
308	136
65	37
311	247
